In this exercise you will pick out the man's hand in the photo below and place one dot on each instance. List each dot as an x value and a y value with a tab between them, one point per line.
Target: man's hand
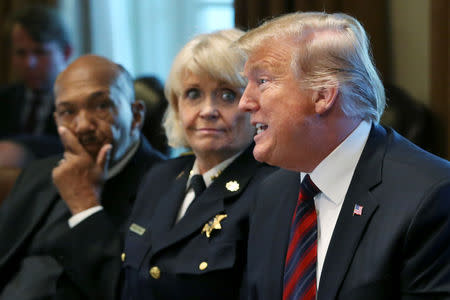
78	177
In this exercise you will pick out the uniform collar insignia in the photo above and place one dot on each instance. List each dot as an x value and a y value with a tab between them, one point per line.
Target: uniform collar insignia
215	176
232	186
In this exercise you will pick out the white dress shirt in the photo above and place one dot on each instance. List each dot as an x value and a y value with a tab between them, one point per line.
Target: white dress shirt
208	177
333	176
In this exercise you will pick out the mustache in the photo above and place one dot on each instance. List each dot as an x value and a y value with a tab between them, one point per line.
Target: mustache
88	138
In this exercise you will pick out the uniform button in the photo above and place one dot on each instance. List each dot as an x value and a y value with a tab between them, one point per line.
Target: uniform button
203	265
155	272
122	257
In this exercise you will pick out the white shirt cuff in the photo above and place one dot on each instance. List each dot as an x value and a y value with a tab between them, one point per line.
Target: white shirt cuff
76	219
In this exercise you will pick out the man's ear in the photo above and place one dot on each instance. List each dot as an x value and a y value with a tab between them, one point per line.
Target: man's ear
324	99
138	110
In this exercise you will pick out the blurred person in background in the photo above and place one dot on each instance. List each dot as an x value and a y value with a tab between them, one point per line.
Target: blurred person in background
412	119
40	49
150	90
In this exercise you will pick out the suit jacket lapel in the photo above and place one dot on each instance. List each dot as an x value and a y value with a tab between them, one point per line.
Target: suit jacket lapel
349	228
120	191
166	211
287	199
211	202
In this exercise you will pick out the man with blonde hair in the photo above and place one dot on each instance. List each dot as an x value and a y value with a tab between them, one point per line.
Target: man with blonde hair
360	212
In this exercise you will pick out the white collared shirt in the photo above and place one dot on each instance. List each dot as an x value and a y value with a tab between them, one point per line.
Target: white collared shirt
208	177
333	176
113	171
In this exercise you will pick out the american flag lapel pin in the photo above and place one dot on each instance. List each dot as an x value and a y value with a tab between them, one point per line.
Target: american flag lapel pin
357	210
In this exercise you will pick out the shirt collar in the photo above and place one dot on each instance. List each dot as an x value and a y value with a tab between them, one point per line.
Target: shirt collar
120	165
333	174
210	175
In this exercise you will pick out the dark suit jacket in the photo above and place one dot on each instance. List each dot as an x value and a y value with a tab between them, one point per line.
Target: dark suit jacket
399	248
33	218
12	102
178	249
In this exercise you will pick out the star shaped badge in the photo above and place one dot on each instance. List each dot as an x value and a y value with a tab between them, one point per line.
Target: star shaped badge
213	224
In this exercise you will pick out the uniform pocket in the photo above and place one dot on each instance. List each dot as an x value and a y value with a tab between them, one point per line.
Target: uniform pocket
216	257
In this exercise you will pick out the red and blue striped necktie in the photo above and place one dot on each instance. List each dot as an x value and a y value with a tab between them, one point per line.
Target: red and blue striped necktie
301	257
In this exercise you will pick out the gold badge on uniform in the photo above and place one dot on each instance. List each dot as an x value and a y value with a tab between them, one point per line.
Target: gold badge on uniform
212	225
232	186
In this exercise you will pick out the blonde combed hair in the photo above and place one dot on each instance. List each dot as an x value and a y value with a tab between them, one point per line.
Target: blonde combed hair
330	50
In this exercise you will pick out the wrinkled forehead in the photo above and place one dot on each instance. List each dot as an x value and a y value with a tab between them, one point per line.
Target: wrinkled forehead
88	71
82	79
274	56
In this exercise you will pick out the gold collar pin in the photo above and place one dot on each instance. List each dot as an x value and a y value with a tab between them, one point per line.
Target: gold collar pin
232	186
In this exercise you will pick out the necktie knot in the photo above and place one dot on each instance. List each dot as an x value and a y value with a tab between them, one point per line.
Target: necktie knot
308	190
197	184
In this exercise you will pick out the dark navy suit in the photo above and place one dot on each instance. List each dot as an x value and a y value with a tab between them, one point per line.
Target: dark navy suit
399	248
33	220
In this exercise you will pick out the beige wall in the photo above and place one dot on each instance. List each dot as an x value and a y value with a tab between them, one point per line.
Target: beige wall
411	46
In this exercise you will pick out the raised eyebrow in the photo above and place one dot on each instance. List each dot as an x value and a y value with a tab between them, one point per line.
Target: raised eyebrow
257	68
98	94
63	104
223	84
187	89
93	96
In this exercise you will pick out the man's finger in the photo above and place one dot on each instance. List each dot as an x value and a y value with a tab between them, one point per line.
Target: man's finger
103	156
70	142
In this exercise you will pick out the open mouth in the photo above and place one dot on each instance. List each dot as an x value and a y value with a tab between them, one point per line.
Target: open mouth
260	128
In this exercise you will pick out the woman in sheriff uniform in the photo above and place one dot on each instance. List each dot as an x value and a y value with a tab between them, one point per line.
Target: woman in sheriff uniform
187	237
